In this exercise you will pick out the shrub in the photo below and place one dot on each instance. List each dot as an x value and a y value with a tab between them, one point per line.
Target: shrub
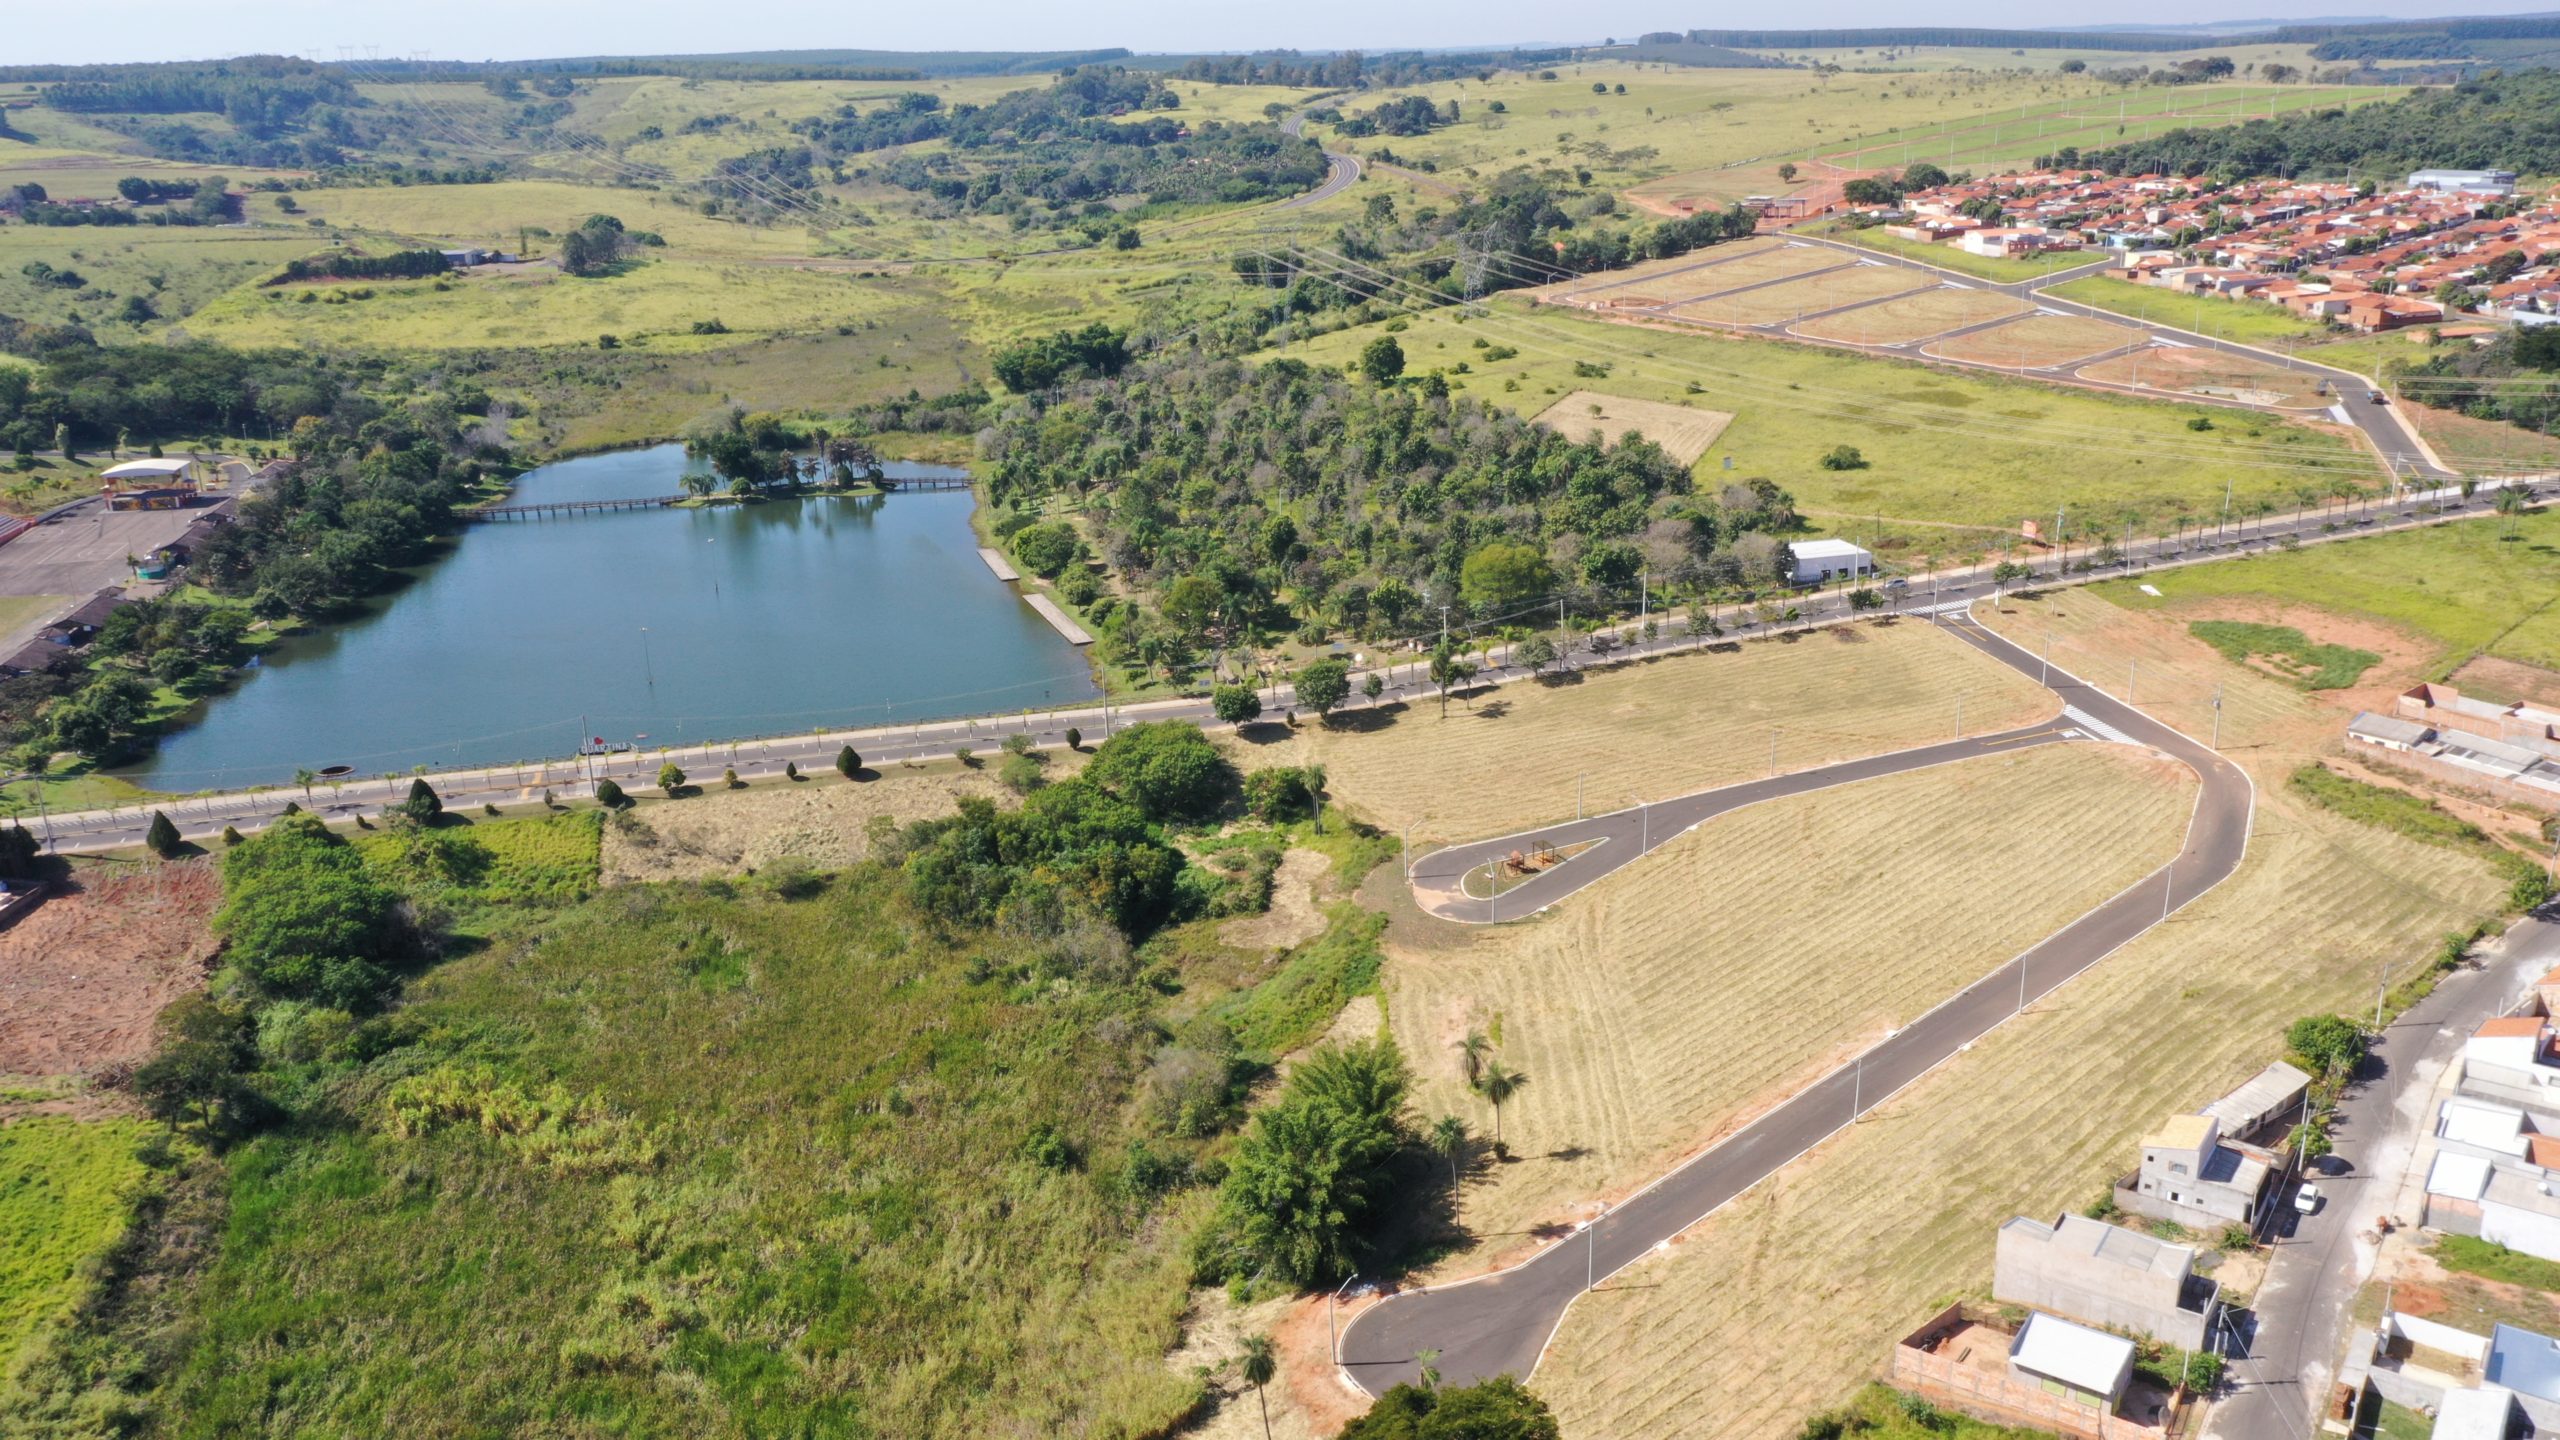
422	804
610	796
2332	1044
1022	773
848	763
670	778
1844	457
1284	792
1314	1171
162	837
1075	738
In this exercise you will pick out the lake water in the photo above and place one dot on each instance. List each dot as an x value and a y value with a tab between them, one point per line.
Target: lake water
676	625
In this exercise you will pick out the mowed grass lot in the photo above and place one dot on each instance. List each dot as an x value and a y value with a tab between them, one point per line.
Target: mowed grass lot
2037	341
2466	589
1702	272
1941	445
1788	1299
64	1184
1808	296
1656	729
1675	999
1915	317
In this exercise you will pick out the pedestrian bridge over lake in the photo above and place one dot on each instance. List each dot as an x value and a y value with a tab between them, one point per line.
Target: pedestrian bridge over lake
545	509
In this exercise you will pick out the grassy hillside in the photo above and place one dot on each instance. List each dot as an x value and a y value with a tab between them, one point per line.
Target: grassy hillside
818	1211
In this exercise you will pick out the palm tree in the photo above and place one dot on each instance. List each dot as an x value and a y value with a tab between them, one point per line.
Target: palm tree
1259	1366
1472	1053
304	778
2509	503
1449	1137
1499	1084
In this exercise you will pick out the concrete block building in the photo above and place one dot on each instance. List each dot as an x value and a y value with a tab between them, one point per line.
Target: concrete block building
2105	1275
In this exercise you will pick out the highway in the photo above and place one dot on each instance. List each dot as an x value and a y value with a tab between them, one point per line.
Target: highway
570	778
1501	1323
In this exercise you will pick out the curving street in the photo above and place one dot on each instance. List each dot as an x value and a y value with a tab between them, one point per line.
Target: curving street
1501	1323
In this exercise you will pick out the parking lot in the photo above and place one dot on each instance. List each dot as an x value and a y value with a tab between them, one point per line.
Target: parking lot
79	553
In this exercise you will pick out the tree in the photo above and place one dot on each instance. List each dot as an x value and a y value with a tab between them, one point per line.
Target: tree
1537	652
1259	1366
1497	1409
670	779
610	796
1499	1083
790	769
1313	1169
304	778
422	804
1075	738
1844	457
2005	574
193	1076
848	764
1373	686
1167	769
1235	704
162	837
1382	360
1473	1051
1448	671
2332	1043
1787	172
1449	1138
1865	598
304	917
18	851
1324	685
1505	575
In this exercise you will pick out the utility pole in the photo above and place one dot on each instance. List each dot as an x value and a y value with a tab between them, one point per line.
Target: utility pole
2217	718
2381	982
2044	677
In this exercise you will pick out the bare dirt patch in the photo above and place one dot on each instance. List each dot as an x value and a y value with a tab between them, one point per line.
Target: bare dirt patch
1683	433
2493	679
83	977
2404	656
2214	375
1293	918
821	821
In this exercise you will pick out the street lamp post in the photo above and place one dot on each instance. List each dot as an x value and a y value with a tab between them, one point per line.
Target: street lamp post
1331	1332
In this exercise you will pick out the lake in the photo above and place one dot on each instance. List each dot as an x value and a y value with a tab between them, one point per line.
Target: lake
670	624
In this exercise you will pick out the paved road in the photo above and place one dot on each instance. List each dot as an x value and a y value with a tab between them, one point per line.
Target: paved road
2299	1322
200	815
1344	168
1502	1322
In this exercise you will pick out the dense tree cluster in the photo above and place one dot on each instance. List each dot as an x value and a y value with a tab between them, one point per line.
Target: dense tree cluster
257	94
1350	69
1095	352
1280	497
1497	1409
1086	848
2507	122
1404	115
1055	156
155	390
2481	381
349	265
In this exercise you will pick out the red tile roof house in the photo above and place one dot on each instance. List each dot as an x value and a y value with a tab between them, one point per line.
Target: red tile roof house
2371	312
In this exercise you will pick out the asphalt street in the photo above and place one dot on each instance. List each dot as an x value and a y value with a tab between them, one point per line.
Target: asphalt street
2290	1343
1502	1322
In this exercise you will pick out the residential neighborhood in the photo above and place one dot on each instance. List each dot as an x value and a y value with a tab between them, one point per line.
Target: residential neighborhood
2438	243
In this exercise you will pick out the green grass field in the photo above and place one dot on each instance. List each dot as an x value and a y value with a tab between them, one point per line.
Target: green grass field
1942	446
549	860
1968	57
190	266
2015	136
2244	322
64	1185
2466	589
2313	666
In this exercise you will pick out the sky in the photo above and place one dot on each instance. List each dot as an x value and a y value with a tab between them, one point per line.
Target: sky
89	31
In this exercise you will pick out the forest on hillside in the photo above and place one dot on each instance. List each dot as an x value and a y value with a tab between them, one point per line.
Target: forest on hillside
2508	122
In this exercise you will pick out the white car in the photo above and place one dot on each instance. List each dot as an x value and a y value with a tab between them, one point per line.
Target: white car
2307	1199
